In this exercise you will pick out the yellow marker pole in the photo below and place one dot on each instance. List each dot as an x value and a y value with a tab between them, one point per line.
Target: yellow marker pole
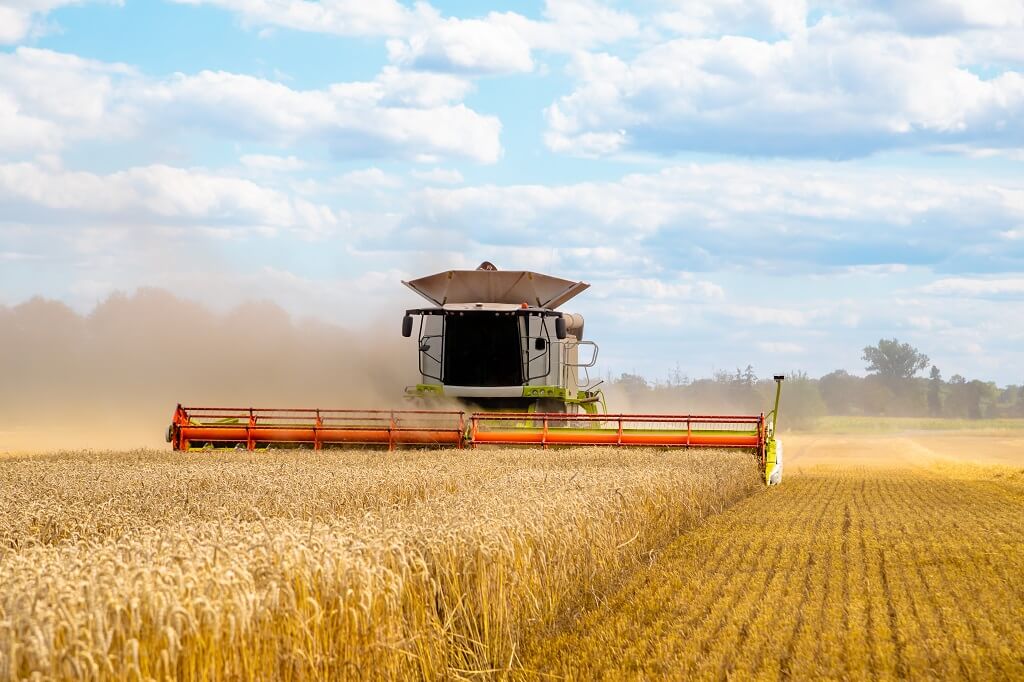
772	460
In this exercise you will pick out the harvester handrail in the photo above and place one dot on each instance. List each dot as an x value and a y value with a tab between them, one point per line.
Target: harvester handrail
310	410
562	416
546	429
251	427
332	417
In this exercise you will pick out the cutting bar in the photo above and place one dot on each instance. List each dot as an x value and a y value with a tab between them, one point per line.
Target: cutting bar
313	428
252	428
644	430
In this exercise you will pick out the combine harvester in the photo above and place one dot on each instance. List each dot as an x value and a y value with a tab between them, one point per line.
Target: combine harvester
494	342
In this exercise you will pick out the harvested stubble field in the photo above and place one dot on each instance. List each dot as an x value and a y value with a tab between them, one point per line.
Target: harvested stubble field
336	565
878	558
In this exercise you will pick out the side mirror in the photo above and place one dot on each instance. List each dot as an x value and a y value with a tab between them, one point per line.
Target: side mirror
540	343
560	328
407	326
424	347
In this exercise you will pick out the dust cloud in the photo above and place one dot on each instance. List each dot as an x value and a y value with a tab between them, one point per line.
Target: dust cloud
689	400
111	379
911	449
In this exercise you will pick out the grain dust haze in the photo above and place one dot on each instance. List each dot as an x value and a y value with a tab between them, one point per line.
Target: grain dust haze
111	378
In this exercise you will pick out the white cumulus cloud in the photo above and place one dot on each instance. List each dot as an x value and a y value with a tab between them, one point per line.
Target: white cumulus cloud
834	90
439	176
781	347
711	17
571	25
338	17
660	290
20	19
272	163
465	45
420	37
78	99
157	194
842	216
398	114
977	287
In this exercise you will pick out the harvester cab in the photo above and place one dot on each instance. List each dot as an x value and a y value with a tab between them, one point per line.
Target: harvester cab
494	339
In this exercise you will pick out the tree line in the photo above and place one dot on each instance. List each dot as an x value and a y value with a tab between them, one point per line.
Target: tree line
900	382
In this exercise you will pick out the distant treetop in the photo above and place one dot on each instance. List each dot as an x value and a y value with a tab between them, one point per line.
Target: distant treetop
893	359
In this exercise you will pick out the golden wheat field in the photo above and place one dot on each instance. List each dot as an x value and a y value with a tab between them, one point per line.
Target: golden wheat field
357	565
878	558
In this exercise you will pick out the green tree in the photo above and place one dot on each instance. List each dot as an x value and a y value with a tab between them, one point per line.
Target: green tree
746	377
632	383
935	392
801	402
841	392
878	397
971	399
891	359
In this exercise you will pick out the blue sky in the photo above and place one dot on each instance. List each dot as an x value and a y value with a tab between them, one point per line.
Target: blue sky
768	182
